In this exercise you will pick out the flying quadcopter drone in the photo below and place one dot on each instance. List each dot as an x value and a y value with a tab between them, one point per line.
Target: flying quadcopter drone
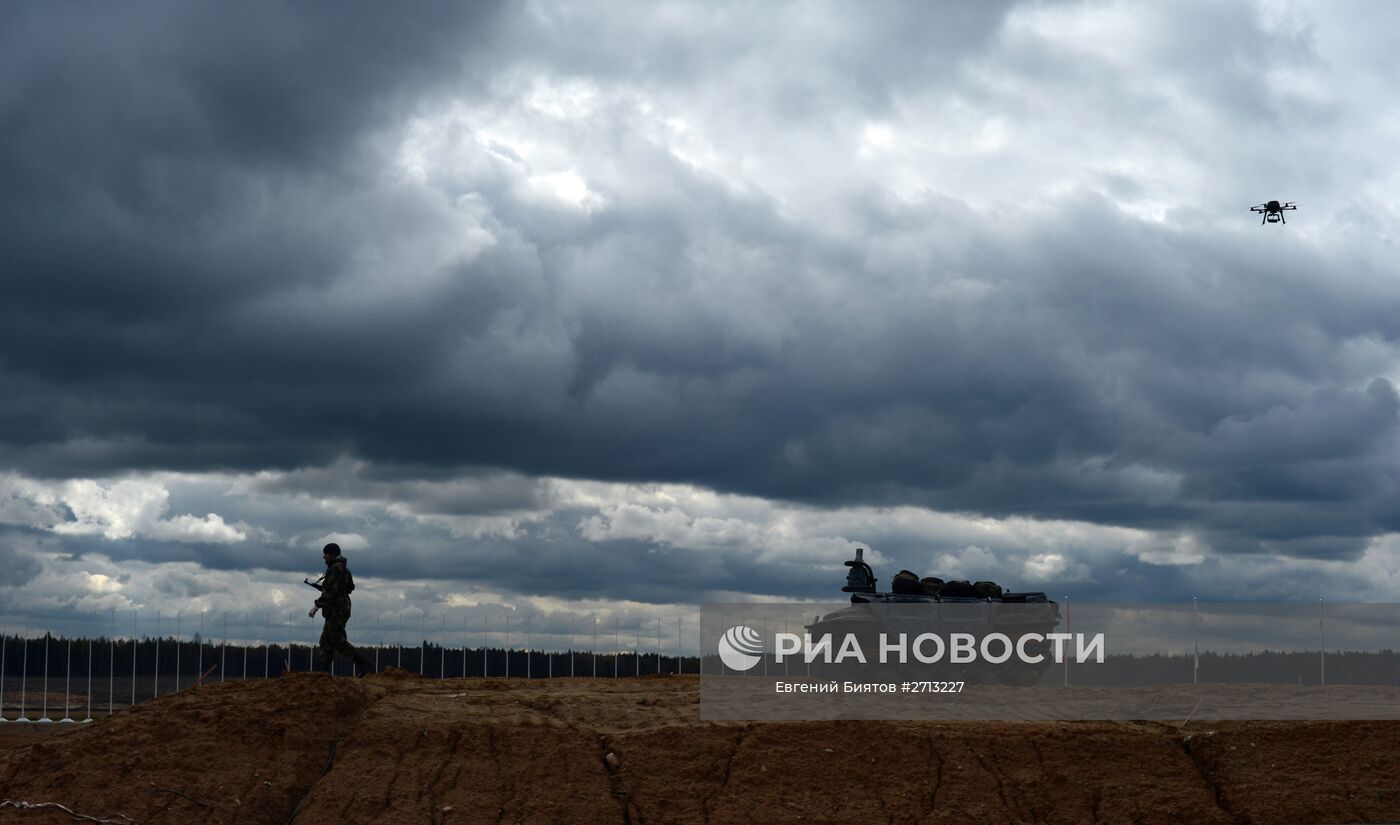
1273	211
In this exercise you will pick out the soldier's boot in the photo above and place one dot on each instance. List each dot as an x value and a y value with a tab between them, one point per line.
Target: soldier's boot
363	666
325	663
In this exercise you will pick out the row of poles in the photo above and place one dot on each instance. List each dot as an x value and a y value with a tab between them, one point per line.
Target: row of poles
287	658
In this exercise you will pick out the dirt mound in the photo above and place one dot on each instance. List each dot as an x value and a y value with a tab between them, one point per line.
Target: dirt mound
396	750
238	753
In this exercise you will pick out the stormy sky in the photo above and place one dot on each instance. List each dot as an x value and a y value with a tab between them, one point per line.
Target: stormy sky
613	309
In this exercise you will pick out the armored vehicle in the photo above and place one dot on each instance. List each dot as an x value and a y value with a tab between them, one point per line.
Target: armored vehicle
915	606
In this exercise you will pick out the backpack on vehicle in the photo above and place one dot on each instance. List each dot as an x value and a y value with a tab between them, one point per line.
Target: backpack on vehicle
959	589
987	590
931	585
906	583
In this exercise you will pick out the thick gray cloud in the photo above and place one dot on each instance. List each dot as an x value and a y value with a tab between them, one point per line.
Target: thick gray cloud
981	259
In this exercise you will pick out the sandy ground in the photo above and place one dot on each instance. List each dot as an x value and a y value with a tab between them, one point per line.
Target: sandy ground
388	749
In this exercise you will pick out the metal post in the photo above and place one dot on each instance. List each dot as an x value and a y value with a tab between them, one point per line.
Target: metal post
528	657
45	717
378	638
199	663
245	645
1196	644
89	706
133	658
679	669
67	686
267	644
507	645
617	648
112	662
1068	629
177	651
1322	652
423	651
442	658
573	654
4	648
464	645
485	627
24	678
223	651
595	646
156	679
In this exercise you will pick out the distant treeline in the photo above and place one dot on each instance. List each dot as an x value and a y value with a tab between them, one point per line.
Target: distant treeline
1349	667
169	657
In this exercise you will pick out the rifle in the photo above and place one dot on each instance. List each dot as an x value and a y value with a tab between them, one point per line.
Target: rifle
319	587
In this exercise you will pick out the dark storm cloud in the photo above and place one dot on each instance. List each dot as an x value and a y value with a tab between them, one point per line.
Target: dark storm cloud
212	263
19	567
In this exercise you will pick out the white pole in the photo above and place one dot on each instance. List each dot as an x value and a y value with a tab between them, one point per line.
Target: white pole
1196	644
423	652
485	627
177	651
398	641
133	658
67	687
507	645
4	647
89	704
573	654
24	678
45	717
1068	628
112	662
223	651
617	648
379	638
245	645
156	678
267	645
199	663
291	622
528	657
764	625
1322	652
464	645
595	646
442	657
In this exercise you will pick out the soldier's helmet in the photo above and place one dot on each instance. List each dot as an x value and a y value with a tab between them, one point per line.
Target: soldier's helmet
331	549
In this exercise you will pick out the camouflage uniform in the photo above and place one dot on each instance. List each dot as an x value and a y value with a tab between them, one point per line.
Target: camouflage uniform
335	607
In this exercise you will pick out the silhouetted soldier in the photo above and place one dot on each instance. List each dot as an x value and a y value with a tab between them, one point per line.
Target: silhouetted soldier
334	605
